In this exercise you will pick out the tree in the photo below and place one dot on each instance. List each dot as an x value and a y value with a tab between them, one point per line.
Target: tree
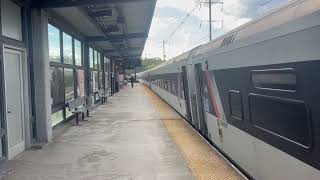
146	64
149	63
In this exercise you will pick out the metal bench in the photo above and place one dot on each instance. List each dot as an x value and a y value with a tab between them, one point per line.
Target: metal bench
89	103
81	105
103	95
78	106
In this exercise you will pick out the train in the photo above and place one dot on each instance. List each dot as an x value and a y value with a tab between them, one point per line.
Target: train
253	92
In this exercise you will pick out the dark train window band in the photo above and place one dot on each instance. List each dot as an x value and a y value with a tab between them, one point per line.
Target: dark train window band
283	118
275	79
235	101
291	125
303	106
168	82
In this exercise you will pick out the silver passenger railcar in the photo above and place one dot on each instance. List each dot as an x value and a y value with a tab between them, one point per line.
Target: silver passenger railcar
254	92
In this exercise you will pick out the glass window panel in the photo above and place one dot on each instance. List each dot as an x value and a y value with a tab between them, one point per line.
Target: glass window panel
54	43
235	101
100	80
77	52
96	97
91	57
80	82
91	82
107	80
57	117
2	140
97	81
107	65
290	119
68	113
57	86
94	59
11	20
67	49
69	84
277	79
94	76
98	60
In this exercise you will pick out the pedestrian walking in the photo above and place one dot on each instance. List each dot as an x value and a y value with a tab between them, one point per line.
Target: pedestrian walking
132	81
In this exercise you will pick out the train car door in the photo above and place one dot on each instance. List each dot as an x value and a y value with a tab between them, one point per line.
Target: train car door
193	96
186	93
199	98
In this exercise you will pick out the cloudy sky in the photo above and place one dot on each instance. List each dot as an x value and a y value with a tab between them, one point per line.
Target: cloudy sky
194	30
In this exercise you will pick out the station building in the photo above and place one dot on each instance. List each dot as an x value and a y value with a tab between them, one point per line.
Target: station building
52	51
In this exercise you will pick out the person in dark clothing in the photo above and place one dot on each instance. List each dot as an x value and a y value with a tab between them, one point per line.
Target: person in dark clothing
132	81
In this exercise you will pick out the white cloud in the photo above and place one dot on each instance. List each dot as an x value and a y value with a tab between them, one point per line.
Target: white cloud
234	14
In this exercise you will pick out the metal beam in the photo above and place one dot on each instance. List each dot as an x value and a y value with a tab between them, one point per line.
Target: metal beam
101	13
107	51
112	28
129	55
115	40
77	3
132	56
116	37
126	49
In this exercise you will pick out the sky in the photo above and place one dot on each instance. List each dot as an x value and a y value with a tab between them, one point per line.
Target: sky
194	30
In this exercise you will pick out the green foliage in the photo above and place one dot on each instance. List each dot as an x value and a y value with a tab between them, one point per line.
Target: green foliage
149	63
146	64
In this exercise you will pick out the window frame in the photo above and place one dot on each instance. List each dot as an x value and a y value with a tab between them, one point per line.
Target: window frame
63	48
288	71
81	52
74	67
59	41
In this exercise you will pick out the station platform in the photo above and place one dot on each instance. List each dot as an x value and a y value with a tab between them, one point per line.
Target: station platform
134	136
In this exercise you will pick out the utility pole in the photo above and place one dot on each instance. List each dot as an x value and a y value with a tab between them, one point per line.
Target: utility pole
210	21
210	3
164	49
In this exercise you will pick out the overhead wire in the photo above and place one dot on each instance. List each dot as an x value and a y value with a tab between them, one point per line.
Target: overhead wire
197	4
252	11
199	40
247	13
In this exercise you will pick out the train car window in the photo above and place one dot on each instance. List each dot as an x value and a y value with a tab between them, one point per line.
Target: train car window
173	87
165	82
281	118
181	89
275	79
235	102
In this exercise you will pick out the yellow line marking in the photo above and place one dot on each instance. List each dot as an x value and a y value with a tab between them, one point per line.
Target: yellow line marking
202	160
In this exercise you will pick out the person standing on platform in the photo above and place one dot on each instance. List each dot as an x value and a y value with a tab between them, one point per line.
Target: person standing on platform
132	81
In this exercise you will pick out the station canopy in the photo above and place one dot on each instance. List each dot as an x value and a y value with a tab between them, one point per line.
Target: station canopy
119	27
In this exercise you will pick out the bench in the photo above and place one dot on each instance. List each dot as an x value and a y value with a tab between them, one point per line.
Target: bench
103	95
89	103
80	105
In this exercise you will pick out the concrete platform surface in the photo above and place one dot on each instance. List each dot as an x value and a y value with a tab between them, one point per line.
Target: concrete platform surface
204	161
123	140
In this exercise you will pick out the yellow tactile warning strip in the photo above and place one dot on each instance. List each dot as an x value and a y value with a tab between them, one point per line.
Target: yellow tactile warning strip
203	161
